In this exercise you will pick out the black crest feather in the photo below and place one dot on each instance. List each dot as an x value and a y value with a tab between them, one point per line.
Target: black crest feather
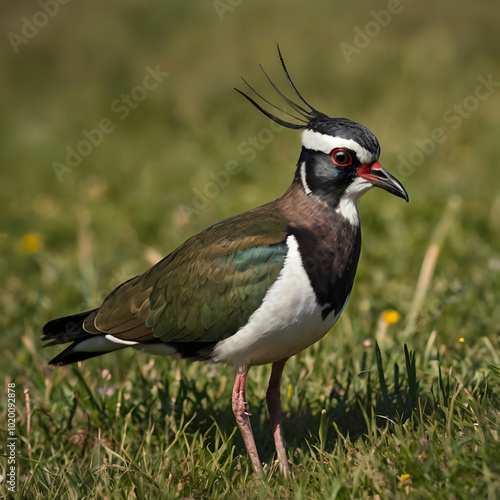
306	113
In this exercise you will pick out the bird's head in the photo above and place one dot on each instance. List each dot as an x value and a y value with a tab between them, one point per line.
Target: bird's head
339	159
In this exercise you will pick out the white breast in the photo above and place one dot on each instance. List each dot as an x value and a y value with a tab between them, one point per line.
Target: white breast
288	320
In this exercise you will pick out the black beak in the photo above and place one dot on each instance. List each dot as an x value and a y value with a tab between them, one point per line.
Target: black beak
379	177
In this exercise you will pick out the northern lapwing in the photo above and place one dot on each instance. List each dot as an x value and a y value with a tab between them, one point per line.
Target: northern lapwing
255	288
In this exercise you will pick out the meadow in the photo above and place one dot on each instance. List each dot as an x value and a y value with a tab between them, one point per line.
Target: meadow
121	136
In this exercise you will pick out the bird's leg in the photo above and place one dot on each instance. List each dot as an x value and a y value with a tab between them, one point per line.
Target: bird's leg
274	407
240	410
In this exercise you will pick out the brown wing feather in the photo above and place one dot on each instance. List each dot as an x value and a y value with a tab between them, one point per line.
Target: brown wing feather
123	313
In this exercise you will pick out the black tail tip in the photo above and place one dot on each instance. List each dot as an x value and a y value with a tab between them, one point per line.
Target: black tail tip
65	329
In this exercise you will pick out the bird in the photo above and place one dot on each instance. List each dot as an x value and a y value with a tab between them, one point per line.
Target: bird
256	288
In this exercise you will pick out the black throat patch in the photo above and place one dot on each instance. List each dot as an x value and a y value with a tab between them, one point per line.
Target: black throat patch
330	252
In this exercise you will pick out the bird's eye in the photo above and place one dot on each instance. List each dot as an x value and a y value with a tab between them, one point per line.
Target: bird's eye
341	157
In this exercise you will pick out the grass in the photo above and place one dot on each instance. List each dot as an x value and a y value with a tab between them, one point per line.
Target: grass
376	409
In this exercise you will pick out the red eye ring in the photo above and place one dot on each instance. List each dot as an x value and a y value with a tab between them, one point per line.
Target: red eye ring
338	158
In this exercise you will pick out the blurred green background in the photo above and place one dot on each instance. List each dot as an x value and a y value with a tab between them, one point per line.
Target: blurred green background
67	241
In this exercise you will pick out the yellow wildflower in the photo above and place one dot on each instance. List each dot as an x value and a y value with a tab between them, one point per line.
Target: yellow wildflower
404	477
30	243
461	340
391	316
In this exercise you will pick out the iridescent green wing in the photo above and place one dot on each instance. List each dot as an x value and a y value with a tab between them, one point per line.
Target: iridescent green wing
206	289
209	287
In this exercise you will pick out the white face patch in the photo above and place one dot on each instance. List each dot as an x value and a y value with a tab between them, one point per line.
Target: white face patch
348	204
327	143
357	188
